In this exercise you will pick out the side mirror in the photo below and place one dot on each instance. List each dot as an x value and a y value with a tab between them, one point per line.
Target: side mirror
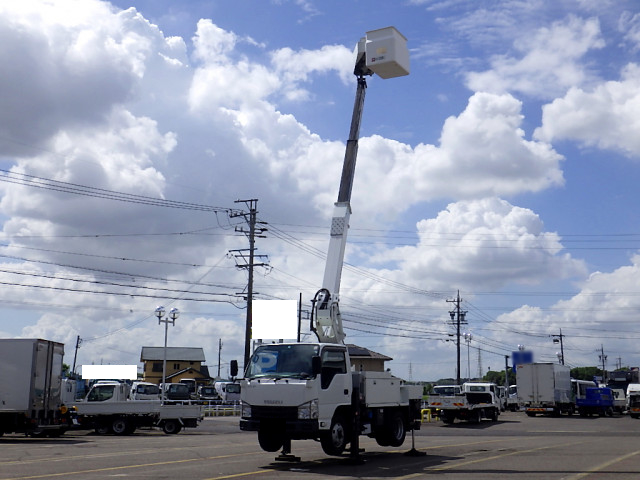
234	368
316	365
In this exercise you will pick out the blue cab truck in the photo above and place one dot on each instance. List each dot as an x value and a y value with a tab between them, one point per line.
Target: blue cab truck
597	401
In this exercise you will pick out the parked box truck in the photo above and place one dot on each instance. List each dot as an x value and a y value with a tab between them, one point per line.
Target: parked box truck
544	388
31	386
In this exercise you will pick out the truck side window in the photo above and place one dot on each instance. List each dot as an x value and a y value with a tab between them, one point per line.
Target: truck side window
333	363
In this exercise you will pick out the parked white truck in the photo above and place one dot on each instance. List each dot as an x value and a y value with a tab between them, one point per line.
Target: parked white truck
30	387
544	388
633	400
476	401
308	390
512	398
108	409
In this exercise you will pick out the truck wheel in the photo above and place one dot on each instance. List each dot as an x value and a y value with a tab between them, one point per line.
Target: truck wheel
474	416
171	427
270	440
120	426
493	415
102	429
396	430
335	440
447	418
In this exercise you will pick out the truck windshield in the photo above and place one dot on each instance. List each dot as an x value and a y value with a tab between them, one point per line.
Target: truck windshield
446	390
100	393
207	391
282	361
233	388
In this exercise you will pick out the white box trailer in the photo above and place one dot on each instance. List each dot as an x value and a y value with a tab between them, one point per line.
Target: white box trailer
544	388
31	387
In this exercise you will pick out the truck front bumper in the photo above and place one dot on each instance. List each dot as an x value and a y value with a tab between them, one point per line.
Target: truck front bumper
293	428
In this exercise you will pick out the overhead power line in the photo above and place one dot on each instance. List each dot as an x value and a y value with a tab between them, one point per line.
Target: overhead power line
77	189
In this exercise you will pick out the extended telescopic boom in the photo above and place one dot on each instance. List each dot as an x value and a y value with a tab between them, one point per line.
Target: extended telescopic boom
383	52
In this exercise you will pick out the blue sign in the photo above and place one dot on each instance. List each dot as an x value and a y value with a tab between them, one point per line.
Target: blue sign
521	357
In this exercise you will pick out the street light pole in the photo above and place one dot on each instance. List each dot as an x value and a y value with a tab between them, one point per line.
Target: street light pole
174	313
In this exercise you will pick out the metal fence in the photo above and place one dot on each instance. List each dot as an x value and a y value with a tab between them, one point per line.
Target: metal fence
221	410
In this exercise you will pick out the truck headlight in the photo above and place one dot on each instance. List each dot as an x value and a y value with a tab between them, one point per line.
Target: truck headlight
308	411
246	410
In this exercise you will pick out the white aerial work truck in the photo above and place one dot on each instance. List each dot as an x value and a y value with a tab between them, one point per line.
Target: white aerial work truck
296	391
31	387
544	388
107	408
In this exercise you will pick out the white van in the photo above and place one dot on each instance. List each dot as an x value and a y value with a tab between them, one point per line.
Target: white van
144	391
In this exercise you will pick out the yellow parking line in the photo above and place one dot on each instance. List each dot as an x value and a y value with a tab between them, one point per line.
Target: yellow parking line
603	466
236	475
485	459
124	467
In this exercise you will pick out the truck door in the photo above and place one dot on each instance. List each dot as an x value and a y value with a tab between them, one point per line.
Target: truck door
335	383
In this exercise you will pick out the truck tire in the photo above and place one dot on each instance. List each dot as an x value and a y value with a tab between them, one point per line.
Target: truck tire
335	440
120	426
102	429
270	440
396	430
474	416
447	417
393	433
493	415
171	426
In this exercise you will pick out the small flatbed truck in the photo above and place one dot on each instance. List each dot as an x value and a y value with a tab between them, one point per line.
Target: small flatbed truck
477	401
106	409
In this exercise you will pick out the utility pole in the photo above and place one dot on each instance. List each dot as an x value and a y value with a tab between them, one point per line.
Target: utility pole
506	374
603	359
219	355
252	234
75	355
459	317
558	339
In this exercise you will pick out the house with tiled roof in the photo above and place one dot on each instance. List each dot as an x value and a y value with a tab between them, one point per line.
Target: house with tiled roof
182	363
365	359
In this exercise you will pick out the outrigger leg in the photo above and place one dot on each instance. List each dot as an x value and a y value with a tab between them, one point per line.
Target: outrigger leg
285	455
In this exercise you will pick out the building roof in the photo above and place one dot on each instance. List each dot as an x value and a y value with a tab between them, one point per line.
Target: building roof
360	352
203	372
184	354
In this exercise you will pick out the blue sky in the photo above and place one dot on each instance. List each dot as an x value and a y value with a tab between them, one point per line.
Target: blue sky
504	166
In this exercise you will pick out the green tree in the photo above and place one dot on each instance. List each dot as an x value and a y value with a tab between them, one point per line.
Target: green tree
585	373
